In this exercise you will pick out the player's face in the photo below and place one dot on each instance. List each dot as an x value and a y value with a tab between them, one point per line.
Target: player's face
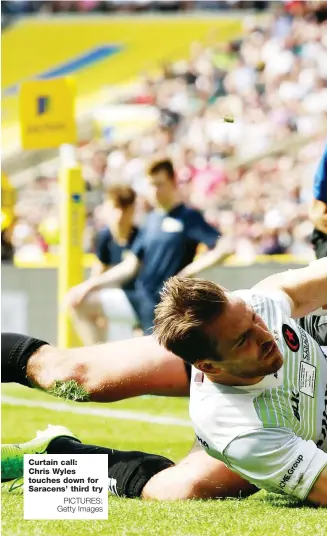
247	347
162	189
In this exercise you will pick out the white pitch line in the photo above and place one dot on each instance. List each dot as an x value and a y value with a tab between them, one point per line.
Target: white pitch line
97	412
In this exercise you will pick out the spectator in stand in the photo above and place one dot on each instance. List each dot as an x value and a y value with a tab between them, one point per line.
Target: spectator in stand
318	209
165	246
7	248
219	164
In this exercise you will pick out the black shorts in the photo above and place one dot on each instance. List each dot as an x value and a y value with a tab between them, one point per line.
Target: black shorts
319	242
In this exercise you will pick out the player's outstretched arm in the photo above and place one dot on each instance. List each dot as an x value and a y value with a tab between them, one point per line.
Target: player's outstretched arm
103	373
304	288
318	494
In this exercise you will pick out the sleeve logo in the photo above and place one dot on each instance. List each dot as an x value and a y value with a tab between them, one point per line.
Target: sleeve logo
202	442
291	338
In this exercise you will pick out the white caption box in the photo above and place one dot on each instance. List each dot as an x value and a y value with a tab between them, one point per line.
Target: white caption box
66	486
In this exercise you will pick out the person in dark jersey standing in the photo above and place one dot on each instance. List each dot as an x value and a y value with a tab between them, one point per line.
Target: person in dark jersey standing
165	246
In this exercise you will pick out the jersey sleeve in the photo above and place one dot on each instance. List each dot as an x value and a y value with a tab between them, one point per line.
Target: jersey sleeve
199	230
320	180
279	299
260	297
102	241
277	460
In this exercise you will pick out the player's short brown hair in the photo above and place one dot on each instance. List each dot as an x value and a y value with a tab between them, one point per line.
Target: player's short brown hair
122	196
162	165
186	308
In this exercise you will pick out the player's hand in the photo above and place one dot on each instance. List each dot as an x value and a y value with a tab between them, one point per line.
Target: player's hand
77	294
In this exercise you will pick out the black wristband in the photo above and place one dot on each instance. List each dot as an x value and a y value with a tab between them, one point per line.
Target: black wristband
16	349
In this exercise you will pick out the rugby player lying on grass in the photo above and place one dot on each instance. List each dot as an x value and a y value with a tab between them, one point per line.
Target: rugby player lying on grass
260	410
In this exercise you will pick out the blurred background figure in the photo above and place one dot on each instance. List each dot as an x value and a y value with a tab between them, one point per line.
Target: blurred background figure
119	232
8	220
7	229
166	245
318	209
112	243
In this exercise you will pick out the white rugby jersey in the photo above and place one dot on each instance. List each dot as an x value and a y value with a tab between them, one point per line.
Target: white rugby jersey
273	433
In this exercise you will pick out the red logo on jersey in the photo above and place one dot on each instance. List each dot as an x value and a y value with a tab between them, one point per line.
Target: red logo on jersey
291	338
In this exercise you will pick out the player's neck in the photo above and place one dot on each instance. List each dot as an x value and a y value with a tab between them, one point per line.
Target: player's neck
170	204
228	379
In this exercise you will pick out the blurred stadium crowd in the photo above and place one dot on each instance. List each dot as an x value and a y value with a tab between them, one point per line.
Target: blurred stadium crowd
21	7
244	124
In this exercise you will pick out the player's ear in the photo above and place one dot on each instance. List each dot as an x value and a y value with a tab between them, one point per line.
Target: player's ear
207	366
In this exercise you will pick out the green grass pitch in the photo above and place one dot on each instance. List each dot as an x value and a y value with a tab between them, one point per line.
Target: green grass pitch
261	515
